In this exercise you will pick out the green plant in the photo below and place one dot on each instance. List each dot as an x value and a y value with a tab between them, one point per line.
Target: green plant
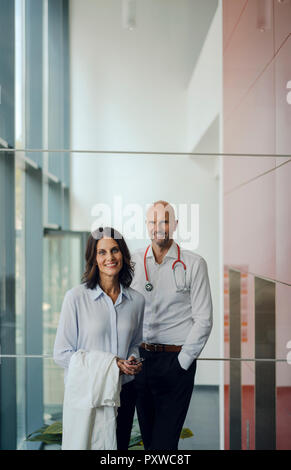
49	434
52	434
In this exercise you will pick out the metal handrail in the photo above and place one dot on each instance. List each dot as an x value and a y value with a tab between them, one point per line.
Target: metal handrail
240	359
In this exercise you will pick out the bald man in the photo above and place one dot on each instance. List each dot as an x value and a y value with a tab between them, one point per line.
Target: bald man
177	324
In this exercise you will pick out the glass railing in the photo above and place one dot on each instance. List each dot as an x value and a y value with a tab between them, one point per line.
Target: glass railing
232	210
235	415
222	91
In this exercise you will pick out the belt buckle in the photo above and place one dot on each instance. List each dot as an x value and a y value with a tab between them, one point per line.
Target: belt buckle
151	347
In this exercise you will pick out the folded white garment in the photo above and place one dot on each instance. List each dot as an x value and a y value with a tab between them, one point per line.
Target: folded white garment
92	396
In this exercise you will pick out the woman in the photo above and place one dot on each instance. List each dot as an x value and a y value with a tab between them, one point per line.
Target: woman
105	314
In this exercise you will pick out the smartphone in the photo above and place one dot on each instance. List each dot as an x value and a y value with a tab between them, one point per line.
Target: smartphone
137	360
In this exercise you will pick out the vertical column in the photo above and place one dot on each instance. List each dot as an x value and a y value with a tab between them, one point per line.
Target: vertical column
67	120
33	128
7	230
7	302
58	111
265	372
33	299
235	366
34	78
7	55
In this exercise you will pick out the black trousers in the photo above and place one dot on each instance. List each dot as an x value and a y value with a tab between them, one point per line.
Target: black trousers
125	415
164	392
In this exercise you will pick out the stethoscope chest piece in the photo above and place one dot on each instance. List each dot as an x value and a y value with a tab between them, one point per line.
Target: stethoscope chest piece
149	287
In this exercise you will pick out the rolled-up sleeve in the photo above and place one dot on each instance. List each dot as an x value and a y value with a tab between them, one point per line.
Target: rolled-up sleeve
202	315
67	332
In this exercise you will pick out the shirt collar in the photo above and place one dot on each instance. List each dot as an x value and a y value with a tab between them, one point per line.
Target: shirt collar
125	292
97	292
171	253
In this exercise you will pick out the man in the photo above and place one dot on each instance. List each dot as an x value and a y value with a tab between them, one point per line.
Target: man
177	324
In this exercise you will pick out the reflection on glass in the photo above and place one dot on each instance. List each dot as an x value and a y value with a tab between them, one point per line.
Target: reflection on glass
201	427
248	368
20	302
235	366
62	270
133	100
283	370
283	406
265	372
248	406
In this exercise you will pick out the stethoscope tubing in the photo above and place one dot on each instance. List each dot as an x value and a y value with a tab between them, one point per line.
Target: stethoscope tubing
178	260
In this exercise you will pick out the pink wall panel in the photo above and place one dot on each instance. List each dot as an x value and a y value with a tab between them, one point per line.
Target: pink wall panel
251	128
246	55
283	98
231	16
249	227
257	206
238	170
283	225
282	21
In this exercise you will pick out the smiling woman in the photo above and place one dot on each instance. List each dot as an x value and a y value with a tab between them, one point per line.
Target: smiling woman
104	314
117	248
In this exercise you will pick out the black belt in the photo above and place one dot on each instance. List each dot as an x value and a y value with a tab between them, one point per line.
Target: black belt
161	347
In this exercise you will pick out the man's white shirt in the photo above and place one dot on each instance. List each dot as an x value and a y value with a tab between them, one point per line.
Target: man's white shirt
170	317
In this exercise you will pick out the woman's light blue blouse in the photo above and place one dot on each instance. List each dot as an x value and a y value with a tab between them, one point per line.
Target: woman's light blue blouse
90	321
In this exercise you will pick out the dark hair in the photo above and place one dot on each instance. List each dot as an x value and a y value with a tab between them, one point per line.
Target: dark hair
91	274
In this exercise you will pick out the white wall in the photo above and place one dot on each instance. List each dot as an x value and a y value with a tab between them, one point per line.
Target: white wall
129	93
126	85
204	98
141	180
128	88
204	134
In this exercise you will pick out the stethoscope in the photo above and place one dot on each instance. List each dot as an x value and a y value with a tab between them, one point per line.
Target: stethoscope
149	287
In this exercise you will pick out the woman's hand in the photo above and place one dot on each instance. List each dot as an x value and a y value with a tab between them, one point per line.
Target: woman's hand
125	366
137	366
